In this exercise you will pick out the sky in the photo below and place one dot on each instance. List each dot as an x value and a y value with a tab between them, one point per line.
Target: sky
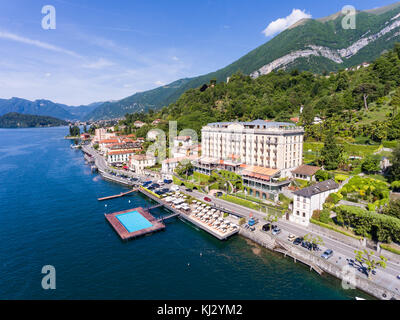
103	50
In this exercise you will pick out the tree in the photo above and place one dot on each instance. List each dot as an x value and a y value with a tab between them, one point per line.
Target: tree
367	257
365	90
395	102
183	169
393	209
331	152
271	218
371	164
314	240
322	175
394	170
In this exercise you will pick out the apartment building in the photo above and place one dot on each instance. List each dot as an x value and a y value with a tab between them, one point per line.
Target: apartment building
307	200
141	161
275	145
119	157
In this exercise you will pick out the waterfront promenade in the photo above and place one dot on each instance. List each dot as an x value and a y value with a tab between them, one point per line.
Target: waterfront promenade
385	278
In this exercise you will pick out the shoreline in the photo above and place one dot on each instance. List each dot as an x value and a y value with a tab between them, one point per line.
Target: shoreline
315	263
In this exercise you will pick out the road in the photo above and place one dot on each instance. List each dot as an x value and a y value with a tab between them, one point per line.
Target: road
342	252
385	277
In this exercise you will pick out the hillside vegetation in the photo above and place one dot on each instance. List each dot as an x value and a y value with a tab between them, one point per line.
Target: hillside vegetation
345	101
16	120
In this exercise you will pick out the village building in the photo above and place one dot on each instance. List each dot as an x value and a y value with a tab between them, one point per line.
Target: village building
139	124
139	162
309	199
119	157
305	172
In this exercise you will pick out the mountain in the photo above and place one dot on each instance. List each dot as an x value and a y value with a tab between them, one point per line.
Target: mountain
316	45
18	120
45	108
141	101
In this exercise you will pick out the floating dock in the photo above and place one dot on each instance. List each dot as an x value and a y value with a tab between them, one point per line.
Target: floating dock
122	231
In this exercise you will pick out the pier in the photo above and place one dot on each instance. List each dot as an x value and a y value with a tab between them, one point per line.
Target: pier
117	196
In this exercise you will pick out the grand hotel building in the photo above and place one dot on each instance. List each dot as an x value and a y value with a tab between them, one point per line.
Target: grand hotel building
261	151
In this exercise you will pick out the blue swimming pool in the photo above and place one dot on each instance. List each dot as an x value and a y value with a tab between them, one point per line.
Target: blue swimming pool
133	221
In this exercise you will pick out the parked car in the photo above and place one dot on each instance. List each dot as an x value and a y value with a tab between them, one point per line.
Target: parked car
291	237
219	194
266	227
276	231
306	244
398	277
327	254
188	190
297	241
207	199
252	228
167	181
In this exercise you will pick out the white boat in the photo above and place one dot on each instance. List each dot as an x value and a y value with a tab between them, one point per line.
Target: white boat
358	298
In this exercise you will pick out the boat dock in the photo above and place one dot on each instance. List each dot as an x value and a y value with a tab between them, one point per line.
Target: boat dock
118	195
122	231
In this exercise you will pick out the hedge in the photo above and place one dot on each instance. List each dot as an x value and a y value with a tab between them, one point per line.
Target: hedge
241	202
390	144
333	228
151	192
389	248
381	227
203	177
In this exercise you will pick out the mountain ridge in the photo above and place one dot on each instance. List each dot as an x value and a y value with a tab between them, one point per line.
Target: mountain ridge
316	45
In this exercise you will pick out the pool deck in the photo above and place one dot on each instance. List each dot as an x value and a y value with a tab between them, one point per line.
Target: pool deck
125	234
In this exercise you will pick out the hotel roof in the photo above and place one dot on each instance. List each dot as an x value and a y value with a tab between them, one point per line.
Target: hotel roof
265	124
317	189
259	172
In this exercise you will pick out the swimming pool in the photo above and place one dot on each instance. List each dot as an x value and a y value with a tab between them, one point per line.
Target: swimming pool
133	221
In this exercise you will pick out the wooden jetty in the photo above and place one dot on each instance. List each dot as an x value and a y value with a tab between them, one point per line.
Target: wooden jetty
124	234
117	195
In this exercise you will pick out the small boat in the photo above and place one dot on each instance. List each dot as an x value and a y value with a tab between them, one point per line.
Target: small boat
358	298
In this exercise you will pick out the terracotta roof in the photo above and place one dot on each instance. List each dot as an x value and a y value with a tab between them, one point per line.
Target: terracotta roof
306	170
260	172
140	157
106	141
112	153
317	188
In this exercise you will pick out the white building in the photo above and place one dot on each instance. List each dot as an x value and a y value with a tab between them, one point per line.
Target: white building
119	157
139	124
307	200
169	165
305	172
275	145
141	161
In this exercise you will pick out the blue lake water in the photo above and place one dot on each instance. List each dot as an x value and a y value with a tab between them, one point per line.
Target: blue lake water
49	215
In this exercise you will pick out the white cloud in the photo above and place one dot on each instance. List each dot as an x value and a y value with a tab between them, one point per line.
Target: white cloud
175	58
14	37
99	64
283	23
159	83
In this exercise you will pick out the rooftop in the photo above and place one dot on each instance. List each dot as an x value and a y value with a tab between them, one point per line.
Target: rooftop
259	124
306	170
112	153
317	188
